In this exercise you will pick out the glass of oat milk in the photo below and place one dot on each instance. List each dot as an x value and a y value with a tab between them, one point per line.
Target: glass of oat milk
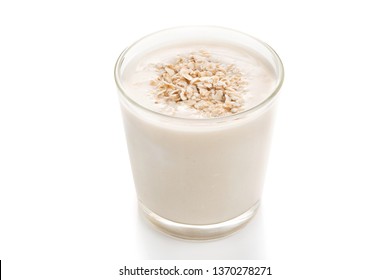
198	105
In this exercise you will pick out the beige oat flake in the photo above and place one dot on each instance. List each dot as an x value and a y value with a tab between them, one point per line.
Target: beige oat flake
200	82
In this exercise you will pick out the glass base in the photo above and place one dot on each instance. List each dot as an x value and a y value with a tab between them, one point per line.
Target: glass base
199	232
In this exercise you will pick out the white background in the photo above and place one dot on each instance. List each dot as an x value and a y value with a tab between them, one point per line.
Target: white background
67	201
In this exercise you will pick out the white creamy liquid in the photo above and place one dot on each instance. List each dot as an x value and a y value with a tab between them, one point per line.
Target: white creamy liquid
190	172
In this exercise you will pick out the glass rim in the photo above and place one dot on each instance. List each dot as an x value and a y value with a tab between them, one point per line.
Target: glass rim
263	104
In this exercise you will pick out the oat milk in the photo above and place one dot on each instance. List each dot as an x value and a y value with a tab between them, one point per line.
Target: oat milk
189	167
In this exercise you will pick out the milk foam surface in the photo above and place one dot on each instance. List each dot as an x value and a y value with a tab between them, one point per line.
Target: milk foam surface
137	75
